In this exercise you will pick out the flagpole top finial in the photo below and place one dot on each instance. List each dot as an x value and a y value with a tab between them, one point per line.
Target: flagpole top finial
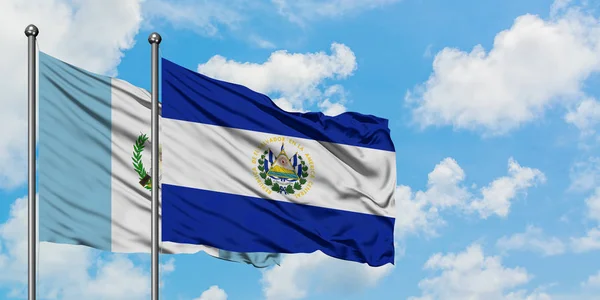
154	38
31	30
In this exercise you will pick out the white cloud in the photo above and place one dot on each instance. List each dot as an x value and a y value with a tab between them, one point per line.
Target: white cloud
213	293
533	239
167	267
585	175
444	189
261	42
593	281
497	195
420	211
593	205
87	33
536	295
589	242
299	274
559	6
116	279
333	104
211	17
296	77
66	271
532	66
204	17
331	109
472	275
302	11
586	116
415	214
286	105
427	53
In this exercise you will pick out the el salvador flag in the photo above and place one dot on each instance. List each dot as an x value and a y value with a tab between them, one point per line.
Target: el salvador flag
230	182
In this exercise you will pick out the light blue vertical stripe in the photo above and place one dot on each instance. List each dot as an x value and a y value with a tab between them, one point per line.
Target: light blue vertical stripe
74	155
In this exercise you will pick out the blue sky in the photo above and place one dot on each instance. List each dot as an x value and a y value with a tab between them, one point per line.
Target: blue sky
493	110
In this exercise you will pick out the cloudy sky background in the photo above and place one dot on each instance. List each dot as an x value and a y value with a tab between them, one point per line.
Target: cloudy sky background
493	108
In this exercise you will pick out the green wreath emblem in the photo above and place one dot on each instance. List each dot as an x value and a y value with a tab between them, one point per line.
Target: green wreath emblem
138	165
282	189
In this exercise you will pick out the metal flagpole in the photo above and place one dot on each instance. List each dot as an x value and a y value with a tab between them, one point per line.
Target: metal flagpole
31	32
154	39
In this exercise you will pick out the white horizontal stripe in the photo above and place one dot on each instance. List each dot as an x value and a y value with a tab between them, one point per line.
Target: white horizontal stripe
220	159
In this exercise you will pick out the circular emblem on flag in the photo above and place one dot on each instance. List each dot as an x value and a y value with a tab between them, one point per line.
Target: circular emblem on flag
145	179
280	172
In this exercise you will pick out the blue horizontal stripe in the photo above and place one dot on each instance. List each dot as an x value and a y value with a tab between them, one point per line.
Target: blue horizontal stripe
247	224
190	96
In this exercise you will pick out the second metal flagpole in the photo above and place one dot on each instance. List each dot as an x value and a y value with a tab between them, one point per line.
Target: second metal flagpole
154	39
31	32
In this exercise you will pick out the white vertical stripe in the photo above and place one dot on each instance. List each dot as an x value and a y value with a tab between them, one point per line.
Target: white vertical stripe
131	227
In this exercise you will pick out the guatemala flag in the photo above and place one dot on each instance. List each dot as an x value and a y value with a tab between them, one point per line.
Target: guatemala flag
94	158
240	174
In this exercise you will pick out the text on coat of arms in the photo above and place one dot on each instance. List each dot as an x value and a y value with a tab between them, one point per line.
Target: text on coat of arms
280	172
